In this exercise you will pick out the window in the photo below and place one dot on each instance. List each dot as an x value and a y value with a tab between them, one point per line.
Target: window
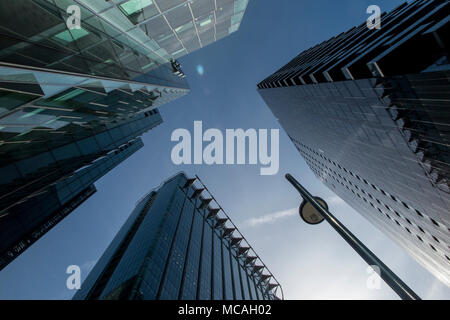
434	221
71	35
133	6
69	94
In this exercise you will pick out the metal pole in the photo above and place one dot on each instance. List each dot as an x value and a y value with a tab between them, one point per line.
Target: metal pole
387	275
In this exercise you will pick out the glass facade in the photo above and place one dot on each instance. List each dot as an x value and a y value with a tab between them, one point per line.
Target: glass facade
370	120
59	84
46	208
179	27
121	39
176	246
100	47
73	104
61	157
56	82
65	173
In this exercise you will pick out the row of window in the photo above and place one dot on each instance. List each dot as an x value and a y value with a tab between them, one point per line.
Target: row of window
321	169
236	269
437	224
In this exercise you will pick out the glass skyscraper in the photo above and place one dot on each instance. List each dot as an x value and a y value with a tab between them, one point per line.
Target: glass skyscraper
70	171
73	98
179	27
369	112
178	243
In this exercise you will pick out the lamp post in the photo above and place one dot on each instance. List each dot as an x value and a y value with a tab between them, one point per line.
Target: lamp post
314	210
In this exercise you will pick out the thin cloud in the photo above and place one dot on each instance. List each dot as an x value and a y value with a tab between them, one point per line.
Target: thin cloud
271	217
335	200
88	265
435	290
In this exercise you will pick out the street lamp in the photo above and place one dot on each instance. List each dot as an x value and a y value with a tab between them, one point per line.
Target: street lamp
314	210
309	214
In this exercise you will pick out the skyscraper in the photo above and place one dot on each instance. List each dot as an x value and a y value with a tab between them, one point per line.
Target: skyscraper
73	95
179	27
369	112
81	162
178	243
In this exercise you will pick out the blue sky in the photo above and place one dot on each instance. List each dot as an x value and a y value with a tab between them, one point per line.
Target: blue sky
311	262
